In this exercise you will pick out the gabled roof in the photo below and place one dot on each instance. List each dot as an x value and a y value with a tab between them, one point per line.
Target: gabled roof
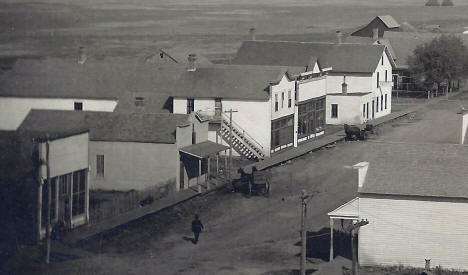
389	21
369	40
428	170
231	81
95	79
345	57
106	126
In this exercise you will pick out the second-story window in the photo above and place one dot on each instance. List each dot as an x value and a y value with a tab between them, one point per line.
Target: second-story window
382	60
334	111
386	77
378	79
190	105
139	101
282	100
78	106
289	99
276	102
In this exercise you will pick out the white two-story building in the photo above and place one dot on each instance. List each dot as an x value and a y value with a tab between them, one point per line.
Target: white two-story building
358	83
264	100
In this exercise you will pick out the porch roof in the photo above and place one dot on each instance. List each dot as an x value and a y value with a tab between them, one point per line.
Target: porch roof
203	149
349	210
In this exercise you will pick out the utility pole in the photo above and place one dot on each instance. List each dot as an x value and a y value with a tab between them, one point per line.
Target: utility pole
352	229
49	198
304	199
230	144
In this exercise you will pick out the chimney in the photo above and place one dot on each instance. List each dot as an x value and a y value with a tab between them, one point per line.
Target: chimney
339	37
252	33
362	172
464	124
375	34
344	86
82	55
191	62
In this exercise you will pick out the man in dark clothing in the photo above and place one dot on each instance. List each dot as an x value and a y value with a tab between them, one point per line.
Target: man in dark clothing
197	227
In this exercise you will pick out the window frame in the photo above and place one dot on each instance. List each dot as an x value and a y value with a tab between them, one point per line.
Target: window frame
78	106
289	99
100	165
276	103
190	105
334	110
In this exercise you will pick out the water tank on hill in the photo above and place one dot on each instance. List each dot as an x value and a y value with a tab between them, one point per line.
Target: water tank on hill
447	3
433	3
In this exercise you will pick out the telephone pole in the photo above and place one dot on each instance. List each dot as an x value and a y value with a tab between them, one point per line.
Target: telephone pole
230	144
304	199
352	229
49	198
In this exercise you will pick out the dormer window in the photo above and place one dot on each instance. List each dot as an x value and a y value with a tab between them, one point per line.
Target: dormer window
139	101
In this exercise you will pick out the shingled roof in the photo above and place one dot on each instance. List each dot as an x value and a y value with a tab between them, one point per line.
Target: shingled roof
428	170
106	126
95	79
389	21
344	57
231	81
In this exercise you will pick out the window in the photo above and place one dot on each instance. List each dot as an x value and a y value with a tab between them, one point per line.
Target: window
295	96
218	107
381	103
377	109
367	108
190	105
276	102
378	79
78	106
289	99
282	131
161	55
382	60
363	110
79	192
282	100
194	135
385	101
139	101
100	165
334	110
64	182
386	77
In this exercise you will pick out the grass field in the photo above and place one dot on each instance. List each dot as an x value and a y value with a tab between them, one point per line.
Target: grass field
135	28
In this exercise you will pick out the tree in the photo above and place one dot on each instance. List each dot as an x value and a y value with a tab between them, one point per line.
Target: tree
444	59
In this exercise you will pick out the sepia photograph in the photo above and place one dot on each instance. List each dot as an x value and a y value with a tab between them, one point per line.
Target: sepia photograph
248	137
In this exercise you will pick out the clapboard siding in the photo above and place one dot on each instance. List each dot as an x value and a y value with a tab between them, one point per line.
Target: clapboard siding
405	232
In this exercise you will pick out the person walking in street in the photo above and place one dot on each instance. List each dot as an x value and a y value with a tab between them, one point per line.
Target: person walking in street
197	227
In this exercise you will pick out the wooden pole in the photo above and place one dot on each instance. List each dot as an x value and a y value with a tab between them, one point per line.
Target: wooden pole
331	239
199	174
304	198
230	146
353	254
49	198
208	174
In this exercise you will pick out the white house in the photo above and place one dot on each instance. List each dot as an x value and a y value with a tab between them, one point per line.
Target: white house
135	151
416	203
93	85
365	69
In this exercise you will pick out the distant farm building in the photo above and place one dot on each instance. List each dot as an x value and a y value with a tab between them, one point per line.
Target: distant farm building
447	3
432	3
382	23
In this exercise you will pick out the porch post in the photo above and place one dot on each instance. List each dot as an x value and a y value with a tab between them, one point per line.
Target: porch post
87	195
71	199
225	165
39	208
331	239
198	177
217	165
208	174
57	186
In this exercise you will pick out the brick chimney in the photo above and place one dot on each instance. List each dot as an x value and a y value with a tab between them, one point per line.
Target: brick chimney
362	172
464	124
375	34
82	55
252	33
339	37
344	86
191	62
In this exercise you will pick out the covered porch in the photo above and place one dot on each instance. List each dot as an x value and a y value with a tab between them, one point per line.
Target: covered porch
348	211
197	163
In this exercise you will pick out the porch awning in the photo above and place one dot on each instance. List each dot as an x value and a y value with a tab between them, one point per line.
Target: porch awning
203	149
349	210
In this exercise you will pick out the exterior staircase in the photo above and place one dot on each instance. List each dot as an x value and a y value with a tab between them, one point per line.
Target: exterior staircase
242	142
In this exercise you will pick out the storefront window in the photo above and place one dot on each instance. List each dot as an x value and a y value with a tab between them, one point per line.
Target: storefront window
79	192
